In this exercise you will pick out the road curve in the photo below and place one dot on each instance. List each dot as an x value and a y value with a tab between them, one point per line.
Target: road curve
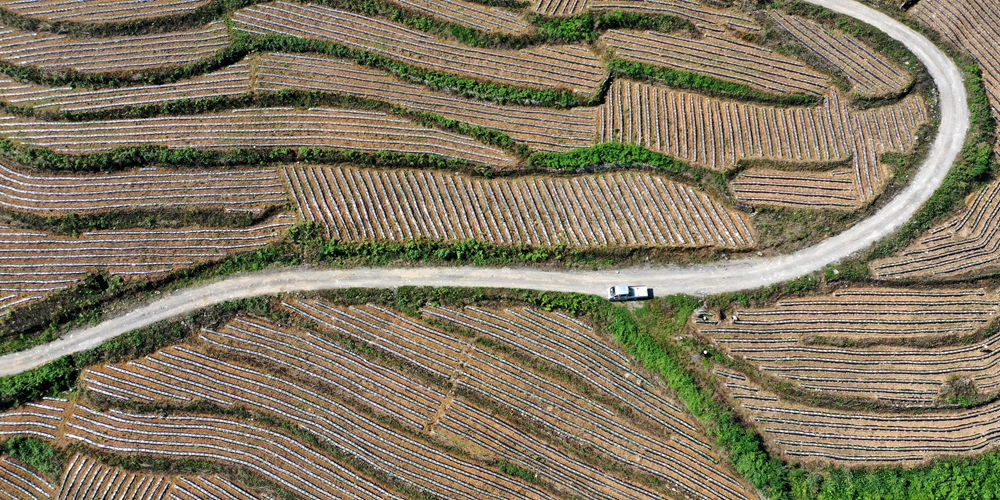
697	280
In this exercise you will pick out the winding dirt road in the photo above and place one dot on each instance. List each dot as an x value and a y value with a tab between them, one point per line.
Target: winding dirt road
697	280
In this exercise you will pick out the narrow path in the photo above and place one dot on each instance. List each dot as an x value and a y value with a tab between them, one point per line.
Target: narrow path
697	280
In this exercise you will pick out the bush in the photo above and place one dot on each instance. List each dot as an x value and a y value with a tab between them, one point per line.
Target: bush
34	452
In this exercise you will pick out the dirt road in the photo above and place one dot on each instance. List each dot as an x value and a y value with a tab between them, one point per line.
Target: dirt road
698	280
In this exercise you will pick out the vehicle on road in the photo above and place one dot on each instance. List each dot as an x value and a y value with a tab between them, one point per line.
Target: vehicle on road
620	293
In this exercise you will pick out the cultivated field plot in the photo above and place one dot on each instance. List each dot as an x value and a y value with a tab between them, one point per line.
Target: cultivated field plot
870	73
781	341
232	81
973	25
20	481
848	438
718	134
112	55
720	55
570	66
330	128
968	244
86	477
359	204
149	188
472	14
964	246
34	264
100	11
544	129
434	414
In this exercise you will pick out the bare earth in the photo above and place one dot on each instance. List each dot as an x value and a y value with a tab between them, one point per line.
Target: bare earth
697	280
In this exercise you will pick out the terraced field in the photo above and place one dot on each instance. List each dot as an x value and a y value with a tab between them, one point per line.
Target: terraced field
321	127
719	134
126	54
786	341
966	245
536	211
97	11
870	73
456	120
721	56
896	347
569	66
426	415
148	188
824	436
35	264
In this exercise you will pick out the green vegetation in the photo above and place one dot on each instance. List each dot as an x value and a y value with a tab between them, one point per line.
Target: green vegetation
646	335
138	156
588	25
34	452
512	469
75	224
705	84
947	479
617	155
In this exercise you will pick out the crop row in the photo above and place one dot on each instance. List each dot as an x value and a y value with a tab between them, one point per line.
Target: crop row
39	420
719	134
970	243
577	349
20	482
230	82
961	246
467	423
776	340
59	52
806	433
870	73
202	487
259	127
470	13
96	11
867	313
233	190
272	454
434	351
569	66
719	55
538	399
309	392
556	409
313	357
973	25
87	478
34	264
703	16
541	128
359	204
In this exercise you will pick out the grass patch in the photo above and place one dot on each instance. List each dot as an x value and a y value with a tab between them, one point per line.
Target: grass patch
704	84
34	452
